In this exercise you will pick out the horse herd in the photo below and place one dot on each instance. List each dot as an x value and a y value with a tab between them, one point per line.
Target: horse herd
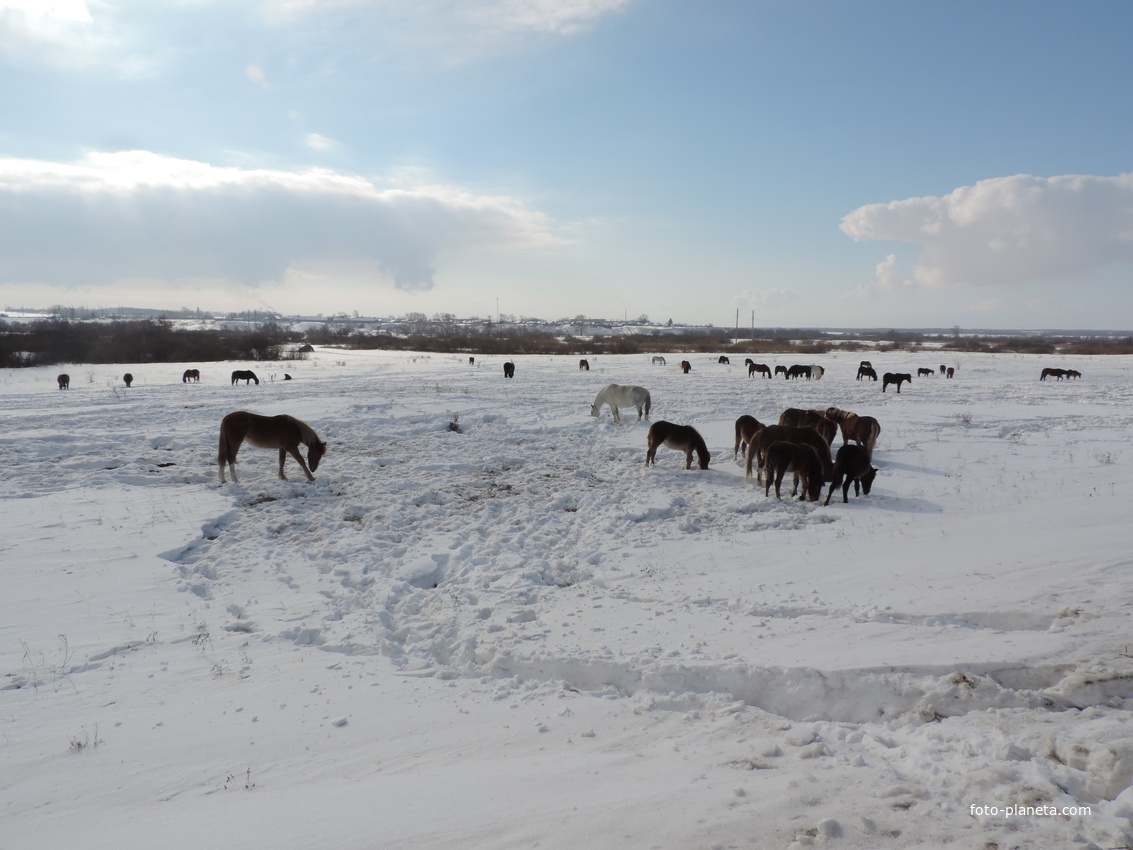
190	375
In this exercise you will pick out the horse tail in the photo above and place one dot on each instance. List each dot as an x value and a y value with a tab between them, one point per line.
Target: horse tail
648	403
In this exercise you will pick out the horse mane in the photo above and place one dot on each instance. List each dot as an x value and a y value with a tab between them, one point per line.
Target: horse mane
307	435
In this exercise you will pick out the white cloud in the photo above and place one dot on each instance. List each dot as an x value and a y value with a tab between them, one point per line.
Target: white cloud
131	215
1007	230
763	298
319	142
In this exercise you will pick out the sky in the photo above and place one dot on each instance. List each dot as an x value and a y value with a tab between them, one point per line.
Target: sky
764	162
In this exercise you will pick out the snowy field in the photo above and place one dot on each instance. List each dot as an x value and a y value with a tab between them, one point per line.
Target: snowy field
512	635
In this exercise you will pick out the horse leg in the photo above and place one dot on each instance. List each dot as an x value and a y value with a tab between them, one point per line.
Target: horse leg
688	459
294	452
650	456
617	416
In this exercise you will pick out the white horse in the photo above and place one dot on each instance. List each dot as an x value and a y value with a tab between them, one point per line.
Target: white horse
816	372
619	395
658	360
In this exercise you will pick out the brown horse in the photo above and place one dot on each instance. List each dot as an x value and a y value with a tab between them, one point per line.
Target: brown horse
64	382
950	372
866	372
863	430
1059	374
1070	373
245	375
925	373
762	369
756	455
584	364
683	438
816	419
128	378
268	432
801	460
746	429
686	367
851	465
191	375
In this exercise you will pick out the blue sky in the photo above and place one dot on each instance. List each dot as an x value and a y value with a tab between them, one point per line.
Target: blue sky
865	164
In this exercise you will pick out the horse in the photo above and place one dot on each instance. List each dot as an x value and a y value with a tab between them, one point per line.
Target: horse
191	375
897	378
683	438
471	361
128	378
752	368
951	371
863	430
724	360
1070	373
817	372
943	368
746	429
245	375
1059	374
793	417
509	370
781	370
620	395
686	367
748	361
865	364
852	464
658	360
268	432
64	382
786	434
798	371
866	372
925	373
801	460
286	377
584	364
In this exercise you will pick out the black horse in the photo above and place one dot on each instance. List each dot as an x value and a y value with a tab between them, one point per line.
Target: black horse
897	378
245	375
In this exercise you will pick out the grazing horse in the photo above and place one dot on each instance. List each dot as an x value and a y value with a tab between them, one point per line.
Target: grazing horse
897	378
244	375
801	460
781	370
686	367
683	438
863	430
951	371
784	433
128	378
924	373
509	370
1070	373
268	432
943	368
64	382
746	429
817	419
286	377
724	360
191	375
1059	374
866	364
471	361
798	371
752	368
584	364
620	395
852	464
817	372
658	360
866	372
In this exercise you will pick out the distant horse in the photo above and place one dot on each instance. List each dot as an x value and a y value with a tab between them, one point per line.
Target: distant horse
866	363
64	382
748	361
863	430
798	371
866	372
724	360
785	433
951	371
752	368
817	372
268	432
1070	373
746	429
191	375
286	377
658	360
851	465
924	373
620	395
686	367
584	364
897	378
471	361
781	370
244	375
683	438
943	368
1059	374
509	370
128	378
801	460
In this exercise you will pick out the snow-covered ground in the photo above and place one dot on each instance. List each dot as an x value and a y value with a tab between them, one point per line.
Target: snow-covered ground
513	635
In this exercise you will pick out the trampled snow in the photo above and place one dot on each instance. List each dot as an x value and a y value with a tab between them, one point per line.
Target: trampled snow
486	624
